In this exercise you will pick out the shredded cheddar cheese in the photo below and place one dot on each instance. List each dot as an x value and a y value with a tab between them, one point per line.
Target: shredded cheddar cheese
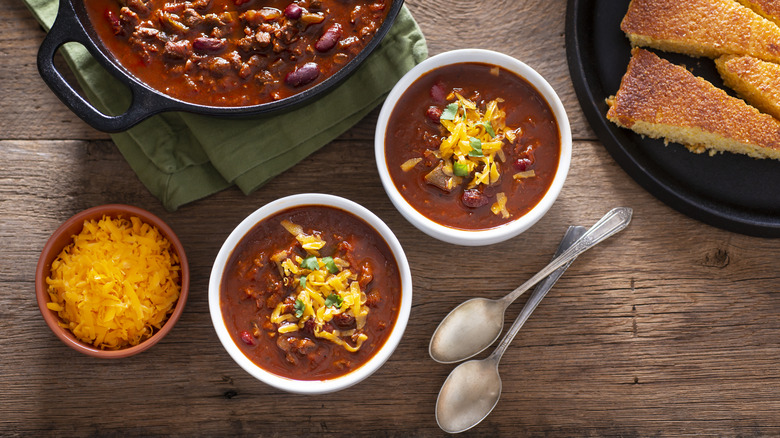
116	284
475	140
326	287
499	207
471	149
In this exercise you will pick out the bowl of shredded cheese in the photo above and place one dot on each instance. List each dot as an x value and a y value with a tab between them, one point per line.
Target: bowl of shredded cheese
112	281
473	146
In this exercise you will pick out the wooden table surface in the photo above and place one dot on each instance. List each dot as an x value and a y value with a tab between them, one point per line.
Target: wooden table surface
669	328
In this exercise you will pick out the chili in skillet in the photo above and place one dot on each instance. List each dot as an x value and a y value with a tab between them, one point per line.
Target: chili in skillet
234	52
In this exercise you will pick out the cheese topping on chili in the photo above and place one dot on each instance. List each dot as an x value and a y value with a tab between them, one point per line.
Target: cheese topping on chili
325	288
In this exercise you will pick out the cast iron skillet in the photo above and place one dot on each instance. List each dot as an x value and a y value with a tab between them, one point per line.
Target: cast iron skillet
729	191
73	25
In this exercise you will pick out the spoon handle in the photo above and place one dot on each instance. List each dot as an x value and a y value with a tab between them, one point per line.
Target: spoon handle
612	222
572	234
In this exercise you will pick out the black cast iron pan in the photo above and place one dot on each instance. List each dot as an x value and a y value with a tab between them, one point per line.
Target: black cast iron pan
729	191
73	25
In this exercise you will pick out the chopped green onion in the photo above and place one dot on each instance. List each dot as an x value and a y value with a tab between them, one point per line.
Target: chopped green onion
450	111
476	147
299	308
489	128
330	265
310	263
460	169
334	300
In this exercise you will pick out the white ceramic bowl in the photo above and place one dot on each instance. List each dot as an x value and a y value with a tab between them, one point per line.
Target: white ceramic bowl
310	386
483	236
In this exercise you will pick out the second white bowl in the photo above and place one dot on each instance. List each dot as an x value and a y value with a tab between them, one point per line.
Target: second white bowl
501	232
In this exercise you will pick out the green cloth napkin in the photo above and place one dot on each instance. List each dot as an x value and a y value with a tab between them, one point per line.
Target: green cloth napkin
182	157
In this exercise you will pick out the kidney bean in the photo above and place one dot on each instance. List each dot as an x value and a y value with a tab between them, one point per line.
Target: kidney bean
240	2
247	338
293	11
329	39
302	75
438	93
205	44
474	198
342	321
433	113
308	327
522	164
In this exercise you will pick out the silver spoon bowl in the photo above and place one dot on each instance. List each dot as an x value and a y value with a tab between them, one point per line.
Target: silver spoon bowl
473	388
475	324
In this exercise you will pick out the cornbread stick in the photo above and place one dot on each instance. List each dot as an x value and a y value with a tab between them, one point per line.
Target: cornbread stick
756	81
663	100
708	28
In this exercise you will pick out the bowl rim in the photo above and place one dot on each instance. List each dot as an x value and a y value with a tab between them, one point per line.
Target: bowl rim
73	226
502	232
310	386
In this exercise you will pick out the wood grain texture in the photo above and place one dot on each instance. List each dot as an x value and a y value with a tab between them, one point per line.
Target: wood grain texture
667	329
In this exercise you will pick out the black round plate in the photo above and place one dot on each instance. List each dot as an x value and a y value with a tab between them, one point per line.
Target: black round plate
729	191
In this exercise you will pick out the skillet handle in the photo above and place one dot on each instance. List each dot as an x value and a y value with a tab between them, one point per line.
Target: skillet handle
67	28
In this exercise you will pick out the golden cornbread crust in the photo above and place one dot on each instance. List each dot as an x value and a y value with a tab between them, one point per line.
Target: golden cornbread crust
701	28
662	100
769	9
756	81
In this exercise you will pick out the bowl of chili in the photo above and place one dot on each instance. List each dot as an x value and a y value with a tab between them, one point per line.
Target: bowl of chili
215	57
473	146
112	281
310	293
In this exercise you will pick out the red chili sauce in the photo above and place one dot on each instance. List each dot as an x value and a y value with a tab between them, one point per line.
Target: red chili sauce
414	130
234	52
253	286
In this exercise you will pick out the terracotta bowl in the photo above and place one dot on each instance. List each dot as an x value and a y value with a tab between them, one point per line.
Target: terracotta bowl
63	237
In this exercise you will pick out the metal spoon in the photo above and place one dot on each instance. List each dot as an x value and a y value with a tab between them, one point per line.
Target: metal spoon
472	389
476	324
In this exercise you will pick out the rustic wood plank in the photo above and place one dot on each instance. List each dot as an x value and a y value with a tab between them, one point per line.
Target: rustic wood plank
669	328
37	113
